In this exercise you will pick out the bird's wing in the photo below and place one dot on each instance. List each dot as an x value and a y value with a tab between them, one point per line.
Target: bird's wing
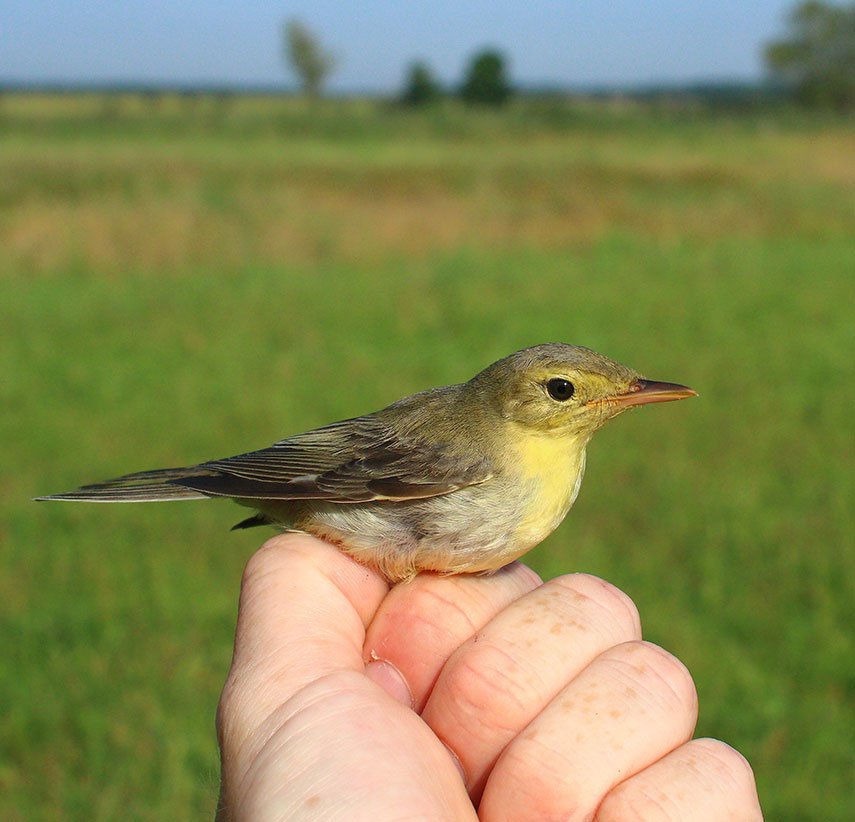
351	461
143	486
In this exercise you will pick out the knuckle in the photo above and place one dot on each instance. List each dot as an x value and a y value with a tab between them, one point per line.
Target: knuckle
713	781
221	720
227	708
606	598
732	767
227	702
663	676
638	805
272	555
528	576
260	563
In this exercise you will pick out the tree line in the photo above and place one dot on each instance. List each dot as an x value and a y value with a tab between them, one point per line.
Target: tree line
814	61
486	79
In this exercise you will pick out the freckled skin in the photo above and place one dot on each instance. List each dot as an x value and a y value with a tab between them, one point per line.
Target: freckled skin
460	479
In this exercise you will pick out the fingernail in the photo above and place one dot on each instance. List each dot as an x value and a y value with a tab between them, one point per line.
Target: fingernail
389	678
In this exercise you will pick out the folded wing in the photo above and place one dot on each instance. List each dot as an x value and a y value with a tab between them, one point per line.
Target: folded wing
355	460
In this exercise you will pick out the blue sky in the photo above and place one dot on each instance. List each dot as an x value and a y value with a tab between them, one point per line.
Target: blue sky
564	42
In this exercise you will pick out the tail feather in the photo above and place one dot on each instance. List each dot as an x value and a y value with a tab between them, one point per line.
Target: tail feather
251	522
143	486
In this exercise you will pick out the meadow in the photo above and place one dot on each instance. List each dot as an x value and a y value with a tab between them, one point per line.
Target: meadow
186	278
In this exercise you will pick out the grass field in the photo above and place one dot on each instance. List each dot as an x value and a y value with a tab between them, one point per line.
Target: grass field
184	279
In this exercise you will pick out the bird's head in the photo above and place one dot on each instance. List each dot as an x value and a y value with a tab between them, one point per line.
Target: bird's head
566	389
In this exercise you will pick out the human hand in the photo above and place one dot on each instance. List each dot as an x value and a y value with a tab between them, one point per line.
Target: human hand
345	699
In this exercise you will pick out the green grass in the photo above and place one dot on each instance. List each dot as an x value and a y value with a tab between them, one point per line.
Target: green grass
177	285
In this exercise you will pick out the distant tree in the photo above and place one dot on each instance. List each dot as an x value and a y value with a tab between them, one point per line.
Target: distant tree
486	80
817	57
420	87
309	60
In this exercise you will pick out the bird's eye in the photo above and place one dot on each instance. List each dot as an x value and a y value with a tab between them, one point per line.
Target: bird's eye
560	389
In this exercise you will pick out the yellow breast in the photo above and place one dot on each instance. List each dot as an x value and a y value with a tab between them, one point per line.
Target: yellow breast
552	466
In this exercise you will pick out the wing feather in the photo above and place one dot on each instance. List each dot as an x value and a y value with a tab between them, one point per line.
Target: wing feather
351	461
355	460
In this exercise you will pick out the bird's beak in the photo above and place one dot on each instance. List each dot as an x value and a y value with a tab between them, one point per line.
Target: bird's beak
642	392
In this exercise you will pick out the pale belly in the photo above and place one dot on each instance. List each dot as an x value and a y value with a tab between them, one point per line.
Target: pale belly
469	530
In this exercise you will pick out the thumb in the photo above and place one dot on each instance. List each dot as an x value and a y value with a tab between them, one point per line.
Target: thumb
303	611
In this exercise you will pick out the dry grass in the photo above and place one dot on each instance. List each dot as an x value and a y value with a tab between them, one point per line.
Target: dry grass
166	203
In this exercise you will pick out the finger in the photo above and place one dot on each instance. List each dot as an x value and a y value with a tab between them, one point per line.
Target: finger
632	705
342	749
704	780
421	622
303	610
502	678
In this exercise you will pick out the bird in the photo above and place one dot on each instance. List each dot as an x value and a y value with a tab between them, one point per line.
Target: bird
464	478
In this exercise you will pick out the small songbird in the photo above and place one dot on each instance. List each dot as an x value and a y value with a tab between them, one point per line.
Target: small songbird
459	479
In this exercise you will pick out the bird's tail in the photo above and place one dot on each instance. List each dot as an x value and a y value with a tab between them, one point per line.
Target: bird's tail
145	486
